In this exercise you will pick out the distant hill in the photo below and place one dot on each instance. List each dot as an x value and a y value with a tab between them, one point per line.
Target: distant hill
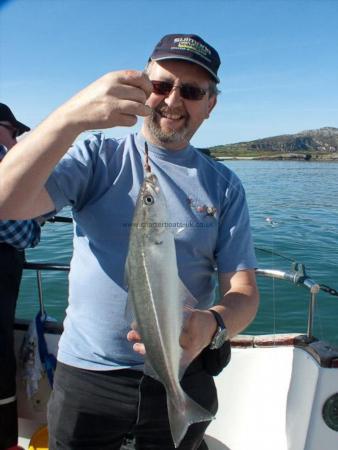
306	144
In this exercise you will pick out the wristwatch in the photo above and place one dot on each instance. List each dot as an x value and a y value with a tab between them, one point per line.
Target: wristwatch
221	335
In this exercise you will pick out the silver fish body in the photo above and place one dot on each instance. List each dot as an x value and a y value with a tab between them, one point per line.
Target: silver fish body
157	296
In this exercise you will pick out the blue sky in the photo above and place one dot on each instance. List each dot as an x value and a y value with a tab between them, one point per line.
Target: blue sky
279	70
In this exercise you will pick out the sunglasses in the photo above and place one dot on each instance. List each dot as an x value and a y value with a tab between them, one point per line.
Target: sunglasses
15	131
187	91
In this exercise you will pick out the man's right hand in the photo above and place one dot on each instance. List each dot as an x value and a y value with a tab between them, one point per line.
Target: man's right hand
115	99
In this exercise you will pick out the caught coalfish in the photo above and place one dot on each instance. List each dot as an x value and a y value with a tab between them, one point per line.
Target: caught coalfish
157	296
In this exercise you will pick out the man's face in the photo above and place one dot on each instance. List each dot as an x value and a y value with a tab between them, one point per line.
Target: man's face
7	134
175	119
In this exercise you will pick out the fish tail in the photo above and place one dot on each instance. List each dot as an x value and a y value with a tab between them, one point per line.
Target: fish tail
184	413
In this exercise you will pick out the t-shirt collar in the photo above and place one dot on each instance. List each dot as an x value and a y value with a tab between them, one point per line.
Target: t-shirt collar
162	153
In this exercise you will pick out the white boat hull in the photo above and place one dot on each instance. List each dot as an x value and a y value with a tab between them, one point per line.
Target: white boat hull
271	397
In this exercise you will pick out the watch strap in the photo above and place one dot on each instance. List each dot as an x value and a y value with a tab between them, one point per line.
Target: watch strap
218	318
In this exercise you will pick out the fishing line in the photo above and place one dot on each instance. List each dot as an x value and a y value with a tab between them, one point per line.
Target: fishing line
273	284
318	317
275	253
212	164
272	252
323	287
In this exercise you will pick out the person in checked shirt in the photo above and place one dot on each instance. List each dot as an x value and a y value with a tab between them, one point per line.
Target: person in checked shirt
15	236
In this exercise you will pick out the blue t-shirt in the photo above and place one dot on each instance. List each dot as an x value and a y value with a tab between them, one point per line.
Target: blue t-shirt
100	178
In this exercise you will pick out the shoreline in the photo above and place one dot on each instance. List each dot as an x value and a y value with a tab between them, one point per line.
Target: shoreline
279	157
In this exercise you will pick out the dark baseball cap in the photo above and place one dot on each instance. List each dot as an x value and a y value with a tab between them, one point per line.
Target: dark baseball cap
188	47
7	115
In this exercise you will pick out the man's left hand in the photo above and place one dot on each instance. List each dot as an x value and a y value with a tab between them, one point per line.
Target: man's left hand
197	332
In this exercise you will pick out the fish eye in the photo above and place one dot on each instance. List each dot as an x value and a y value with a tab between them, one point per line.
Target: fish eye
148	200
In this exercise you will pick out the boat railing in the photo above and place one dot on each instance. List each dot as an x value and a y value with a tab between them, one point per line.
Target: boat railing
296	276
38	267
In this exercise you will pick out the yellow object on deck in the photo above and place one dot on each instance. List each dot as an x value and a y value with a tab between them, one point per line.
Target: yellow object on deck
39	440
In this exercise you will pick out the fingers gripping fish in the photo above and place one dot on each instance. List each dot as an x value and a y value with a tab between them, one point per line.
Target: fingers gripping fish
157	296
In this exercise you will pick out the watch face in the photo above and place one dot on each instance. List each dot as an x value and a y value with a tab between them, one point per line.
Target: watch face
221	334
219	338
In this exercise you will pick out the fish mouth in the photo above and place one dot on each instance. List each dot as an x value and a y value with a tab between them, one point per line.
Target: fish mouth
152	179
151	185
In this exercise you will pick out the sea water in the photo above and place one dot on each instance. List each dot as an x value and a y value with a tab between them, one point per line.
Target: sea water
294	216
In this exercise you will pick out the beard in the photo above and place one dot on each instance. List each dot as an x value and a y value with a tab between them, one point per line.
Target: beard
167	135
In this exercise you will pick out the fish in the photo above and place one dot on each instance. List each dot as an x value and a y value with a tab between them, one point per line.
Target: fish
159	301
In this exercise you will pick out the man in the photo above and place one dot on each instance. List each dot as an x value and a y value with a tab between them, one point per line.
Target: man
15	236
100	393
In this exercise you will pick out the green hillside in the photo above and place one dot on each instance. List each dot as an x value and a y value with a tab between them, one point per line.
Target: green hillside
311	144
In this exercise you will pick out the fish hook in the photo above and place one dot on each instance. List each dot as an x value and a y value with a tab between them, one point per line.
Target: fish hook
147	167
